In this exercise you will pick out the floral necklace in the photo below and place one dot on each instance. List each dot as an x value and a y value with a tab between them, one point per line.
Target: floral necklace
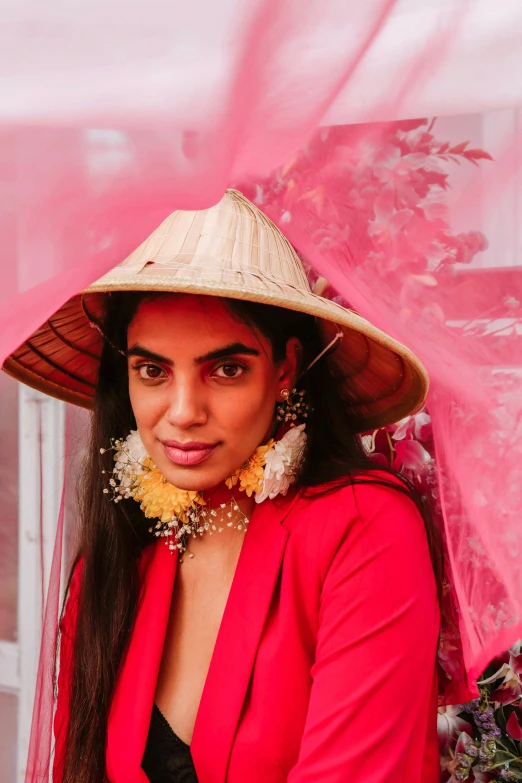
182	514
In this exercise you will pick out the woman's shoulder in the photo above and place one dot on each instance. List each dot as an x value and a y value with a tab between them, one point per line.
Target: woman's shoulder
358	495
374	504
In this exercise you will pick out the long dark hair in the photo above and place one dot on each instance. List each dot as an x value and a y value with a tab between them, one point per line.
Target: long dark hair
112	536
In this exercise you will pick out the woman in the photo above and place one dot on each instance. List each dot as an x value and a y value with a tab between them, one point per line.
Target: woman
253	599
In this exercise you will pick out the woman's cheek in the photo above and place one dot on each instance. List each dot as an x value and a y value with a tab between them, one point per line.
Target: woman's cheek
146	407
253	415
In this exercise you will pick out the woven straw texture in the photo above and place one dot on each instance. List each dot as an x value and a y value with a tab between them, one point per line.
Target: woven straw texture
231	250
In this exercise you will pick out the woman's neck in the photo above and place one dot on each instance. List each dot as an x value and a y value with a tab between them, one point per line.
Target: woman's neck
229	511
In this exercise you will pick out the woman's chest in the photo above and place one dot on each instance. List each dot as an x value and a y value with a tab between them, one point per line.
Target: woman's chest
277	694
198	605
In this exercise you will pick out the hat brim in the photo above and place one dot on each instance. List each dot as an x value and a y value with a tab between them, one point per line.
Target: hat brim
380	379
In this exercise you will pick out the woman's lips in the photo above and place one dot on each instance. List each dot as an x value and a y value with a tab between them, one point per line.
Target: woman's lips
188	453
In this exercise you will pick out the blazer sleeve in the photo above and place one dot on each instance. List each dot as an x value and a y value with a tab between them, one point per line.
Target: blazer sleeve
65	659
372	694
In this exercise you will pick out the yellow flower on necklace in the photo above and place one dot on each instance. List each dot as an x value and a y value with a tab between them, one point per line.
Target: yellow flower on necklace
250	475
183	514
160	499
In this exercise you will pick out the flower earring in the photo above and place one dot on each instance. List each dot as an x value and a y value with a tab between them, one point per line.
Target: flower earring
293	407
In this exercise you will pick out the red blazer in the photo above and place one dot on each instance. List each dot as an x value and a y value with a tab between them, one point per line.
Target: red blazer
324	665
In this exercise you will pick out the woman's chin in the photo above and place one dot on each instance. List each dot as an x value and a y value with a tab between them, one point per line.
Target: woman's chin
192	479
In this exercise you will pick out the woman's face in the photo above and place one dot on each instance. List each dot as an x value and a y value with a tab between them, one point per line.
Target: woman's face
203	387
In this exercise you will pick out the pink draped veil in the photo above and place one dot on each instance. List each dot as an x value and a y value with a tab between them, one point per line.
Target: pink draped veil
112	118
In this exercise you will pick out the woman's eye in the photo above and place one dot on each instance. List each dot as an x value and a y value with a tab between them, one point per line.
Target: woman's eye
228	371
149	372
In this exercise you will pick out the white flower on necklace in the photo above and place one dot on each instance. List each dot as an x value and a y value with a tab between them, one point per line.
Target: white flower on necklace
282	464
129	459
181	514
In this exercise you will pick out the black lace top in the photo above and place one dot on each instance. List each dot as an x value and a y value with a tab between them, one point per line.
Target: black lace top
166	759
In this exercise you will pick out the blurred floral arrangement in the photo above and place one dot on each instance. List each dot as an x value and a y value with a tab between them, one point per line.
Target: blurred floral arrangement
393	180
389	182
482	739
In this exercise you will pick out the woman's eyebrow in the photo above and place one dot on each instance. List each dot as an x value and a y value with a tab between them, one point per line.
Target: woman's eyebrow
139	350
220	353
228	350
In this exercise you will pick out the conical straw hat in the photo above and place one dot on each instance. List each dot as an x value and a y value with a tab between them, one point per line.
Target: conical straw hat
231	250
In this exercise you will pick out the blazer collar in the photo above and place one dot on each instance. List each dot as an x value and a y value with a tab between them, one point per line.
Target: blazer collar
234	654
231	664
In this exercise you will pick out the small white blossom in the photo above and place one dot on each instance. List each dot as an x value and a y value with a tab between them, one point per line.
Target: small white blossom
129	459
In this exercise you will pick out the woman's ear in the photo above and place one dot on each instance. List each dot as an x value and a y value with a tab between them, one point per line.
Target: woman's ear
290	367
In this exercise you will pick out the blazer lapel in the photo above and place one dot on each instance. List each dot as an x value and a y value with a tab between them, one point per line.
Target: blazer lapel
238	639
131	708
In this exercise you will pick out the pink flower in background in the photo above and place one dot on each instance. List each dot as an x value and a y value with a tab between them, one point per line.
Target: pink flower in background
465	753
395	170
410	455
417	426
511	688
513	727
406	452
388	226
481	777
450	725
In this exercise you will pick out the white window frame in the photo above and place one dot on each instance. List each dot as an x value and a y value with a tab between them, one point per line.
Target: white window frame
41	438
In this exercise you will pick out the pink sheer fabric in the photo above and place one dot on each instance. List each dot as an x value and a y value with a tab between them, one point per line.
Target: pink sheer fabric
113	118
41	739
366	206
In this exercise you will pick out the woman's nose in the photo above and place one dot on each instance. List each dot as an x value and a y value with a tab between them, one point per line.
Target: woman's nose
187	407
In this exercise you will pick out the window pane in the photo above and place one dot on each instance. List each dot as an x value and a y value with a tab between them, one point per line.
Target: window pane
8	506
8	721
